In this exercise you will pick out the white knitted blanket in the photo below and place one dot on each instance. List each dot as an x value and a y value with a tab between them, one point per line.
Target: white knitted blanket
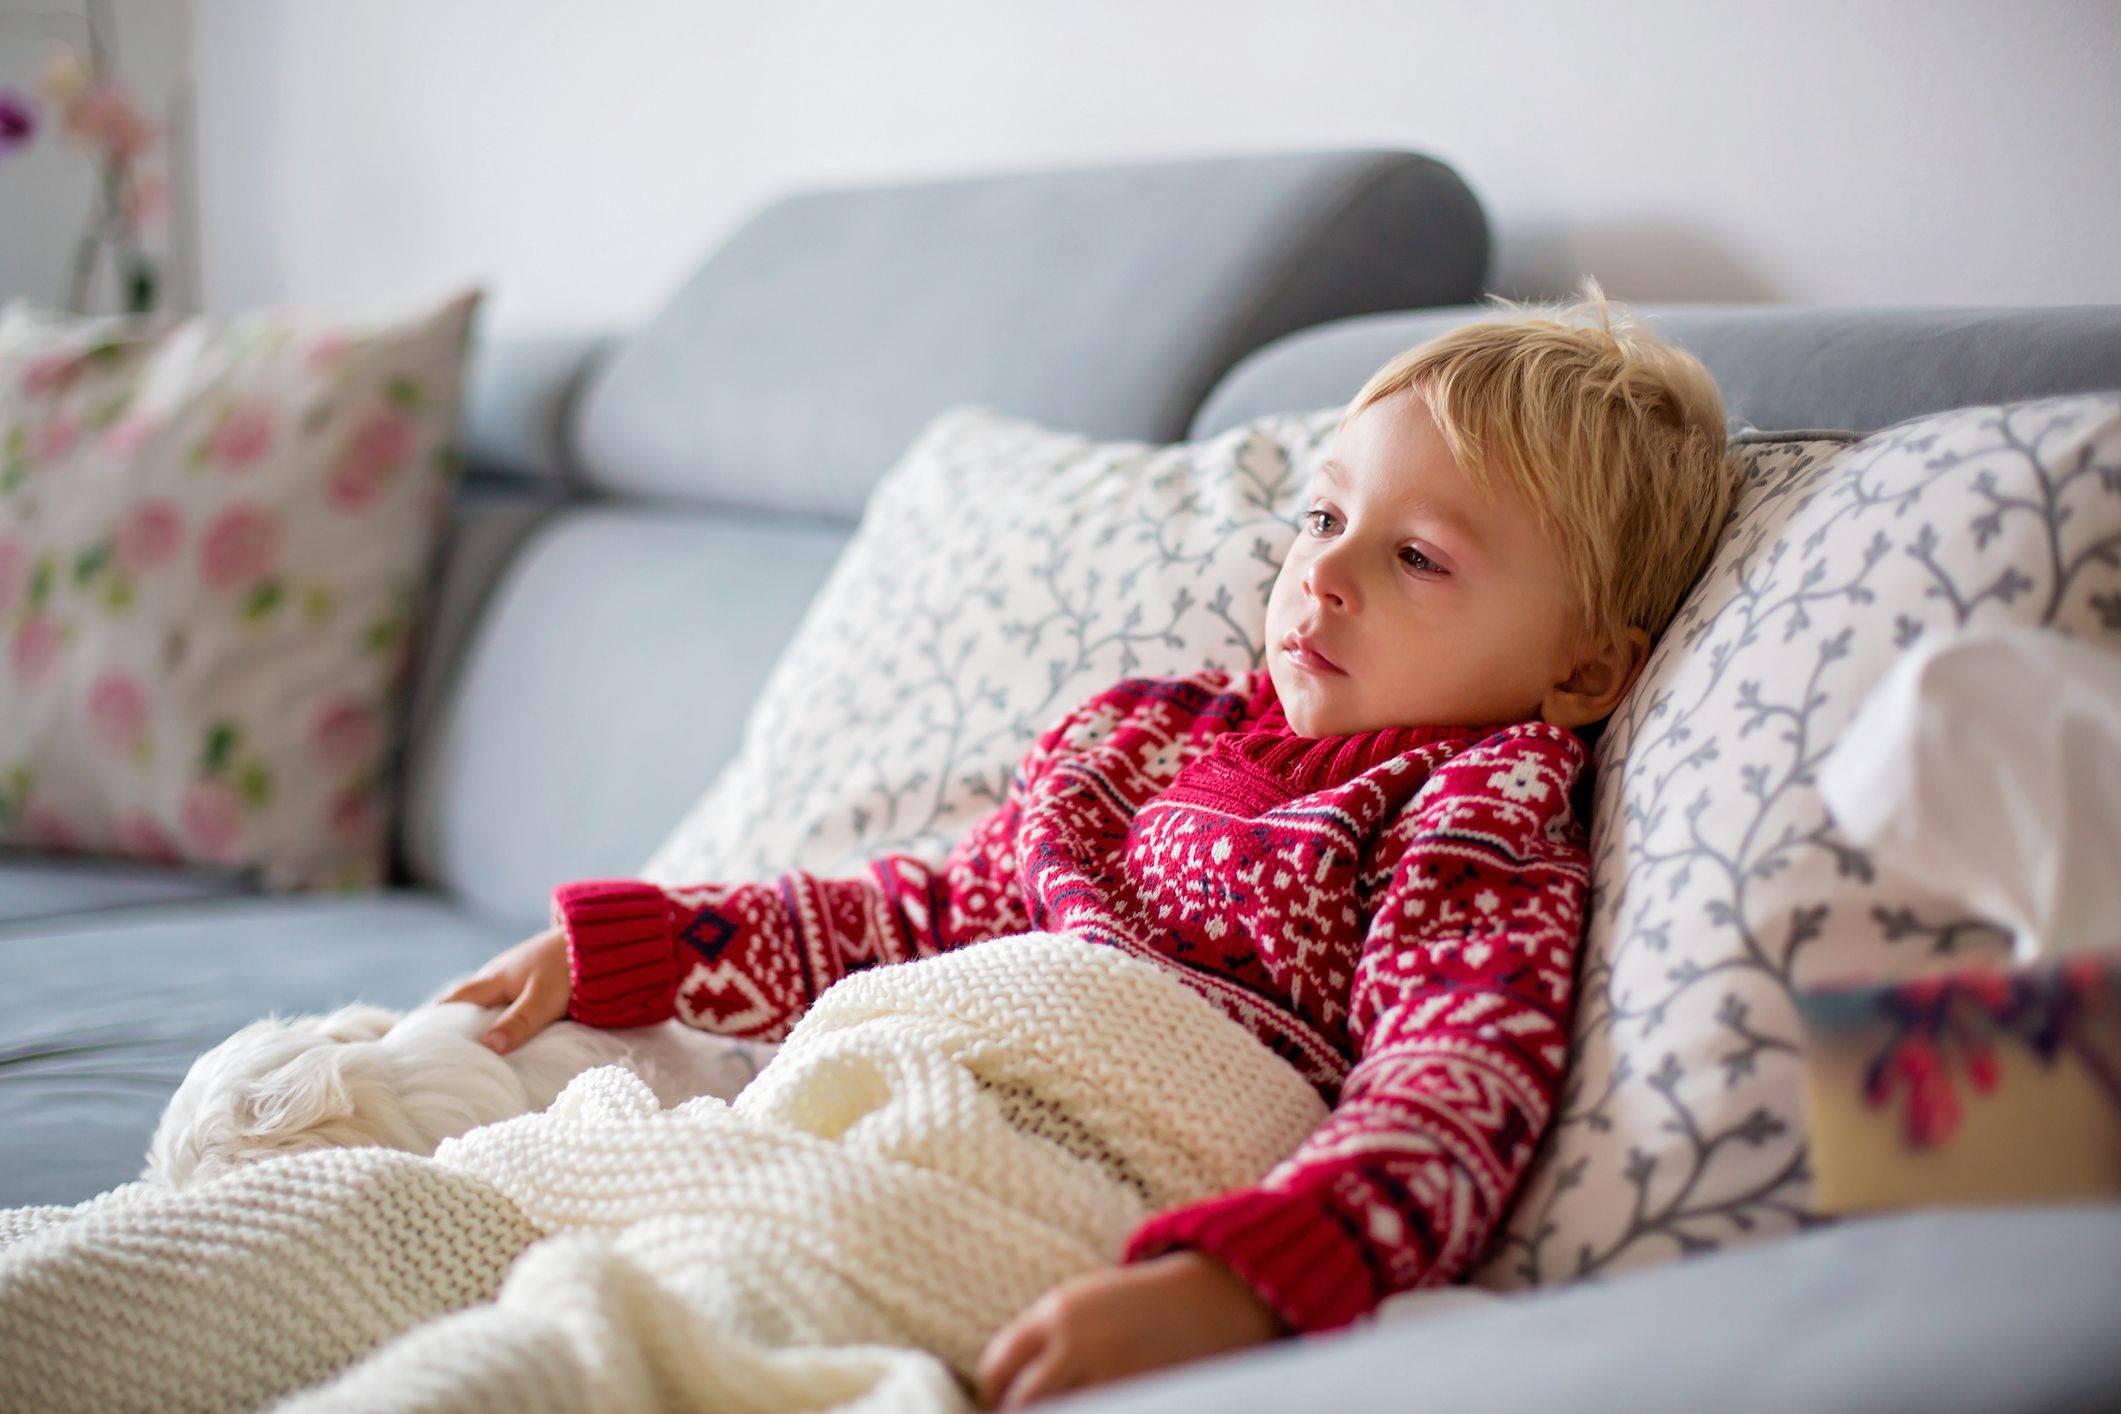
937	1144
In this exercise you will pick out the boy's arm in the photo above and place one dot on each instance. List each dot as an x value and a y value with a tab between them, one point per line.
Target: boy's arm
1459	1017
748	959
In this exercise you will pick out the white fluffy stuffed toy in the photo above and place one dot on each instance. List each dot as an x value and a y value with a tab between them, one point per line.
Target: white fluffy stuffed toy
363	1075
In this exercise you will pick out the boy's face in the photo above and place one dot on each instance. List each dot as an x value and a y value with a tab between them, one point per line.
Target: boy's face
1432	605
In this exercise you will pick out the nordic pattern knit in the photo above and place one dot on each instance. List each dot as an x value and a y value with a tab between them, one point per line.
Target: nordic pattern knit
1395	913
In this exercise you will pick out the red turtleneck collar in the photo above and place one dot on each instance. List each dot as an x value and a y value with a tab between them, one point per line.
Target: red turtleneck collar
1263	763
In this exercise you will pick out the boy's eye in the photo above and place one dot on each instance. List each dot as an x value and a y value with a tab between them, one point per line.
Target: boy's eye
1419	561
1312	519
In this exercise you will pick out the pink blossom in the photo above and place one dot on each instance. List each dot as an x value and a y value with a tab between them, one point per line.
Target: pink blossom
44	826
353	817
149	199
51	373
36	647
345	734
129	433
213	819
149	536
243	436
241	547
117	708
106	118
55	438
139	834
327	349
376	451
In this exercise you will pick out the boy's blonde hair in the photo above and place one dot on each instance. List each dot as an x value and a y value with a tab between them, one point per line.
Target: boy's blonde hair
1615	438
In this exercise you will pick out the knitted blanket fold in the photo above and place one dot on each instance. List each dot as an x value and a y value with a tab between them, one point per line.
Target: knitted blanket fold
937	1144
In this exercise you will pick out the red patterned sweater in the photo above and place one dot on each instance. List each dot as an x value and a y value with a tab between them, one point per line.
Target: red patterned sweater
1396	913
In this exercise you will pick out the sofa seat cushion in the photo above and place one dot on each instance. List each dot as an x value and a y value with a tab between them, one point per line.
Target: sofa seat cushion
104	1012
33	887
1950	1311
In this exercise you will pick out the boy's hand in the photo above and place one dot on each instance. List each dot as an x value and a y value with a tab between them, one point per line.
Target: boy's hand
1107	1325
531	979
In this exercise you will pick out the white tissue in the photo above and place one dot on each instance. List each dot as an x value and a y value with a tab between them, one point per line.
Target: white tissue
1987	766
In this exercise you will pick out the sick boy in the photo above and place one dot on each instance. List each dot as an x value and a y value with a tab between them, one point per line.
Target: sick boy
1365	853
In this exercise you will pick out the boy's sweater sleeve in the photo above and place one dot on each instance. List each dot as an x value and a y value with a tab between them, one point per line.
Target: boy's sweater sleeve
1459	1018
748	959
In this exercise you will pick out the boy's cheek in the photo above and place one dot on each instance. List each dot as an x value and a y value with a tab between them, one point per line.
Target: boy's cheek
1284	592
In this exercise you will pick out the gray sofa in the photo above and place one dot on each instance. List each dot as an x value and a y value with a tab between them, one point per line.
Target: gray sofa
644	517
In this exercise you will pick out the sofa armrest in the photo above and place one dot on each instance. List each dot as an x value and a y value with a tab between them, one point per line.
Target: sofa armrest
519	400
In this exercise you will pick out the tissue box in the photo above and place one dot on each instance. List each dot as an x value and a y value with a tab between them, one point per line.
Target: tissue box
1985	1084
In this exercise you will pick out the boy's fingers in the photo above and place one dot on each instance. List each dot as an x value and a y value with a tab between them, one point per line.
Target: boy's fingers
1042	1378
541	1004
1008	1350
479	991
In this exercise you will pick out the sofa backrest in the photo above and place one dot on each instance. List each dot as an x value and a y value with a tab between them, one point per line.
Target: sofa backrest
1780	367
812	346
647	516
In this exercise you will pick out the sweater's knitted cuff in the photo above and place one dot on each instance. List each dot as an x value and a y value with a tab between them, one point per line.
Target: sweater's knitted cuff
1294	1253
619	951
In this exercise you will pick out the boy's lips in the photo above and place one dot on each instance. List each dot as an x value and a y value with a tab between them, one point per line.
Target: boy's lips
1304	653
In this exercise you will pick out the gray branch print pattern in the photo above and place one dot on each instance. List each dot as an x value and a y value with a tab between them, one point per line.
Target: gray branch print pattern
1720	882
1002	574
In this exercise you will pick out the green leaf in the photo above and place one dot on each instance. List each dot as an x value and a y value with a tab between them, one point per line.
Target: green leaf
40	580
12	477
260	602
90	562
405	393
16	793
118	593
108	412
220	745
18	442
255	782
316	603
383	633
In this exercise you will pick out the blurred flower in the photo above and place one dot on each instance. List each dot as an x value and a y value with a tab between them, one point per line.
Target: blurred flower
107	119
18	120
213	819
93	109
241	548
150	198
64	78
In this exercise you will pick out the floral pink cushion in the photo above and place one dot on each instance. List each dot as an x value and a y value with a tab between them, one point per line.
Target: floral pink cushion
214	537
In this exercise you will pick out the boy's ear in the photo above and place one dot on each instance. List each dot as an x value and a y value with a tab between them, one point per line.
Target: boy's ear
1595	686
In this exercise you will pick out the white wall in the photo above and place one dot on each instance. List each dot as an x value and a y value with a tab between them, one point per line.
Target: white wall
579	156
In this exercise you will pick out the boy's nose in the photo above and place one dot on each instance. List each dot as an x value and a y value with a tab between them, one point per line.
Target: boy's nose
1324	584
